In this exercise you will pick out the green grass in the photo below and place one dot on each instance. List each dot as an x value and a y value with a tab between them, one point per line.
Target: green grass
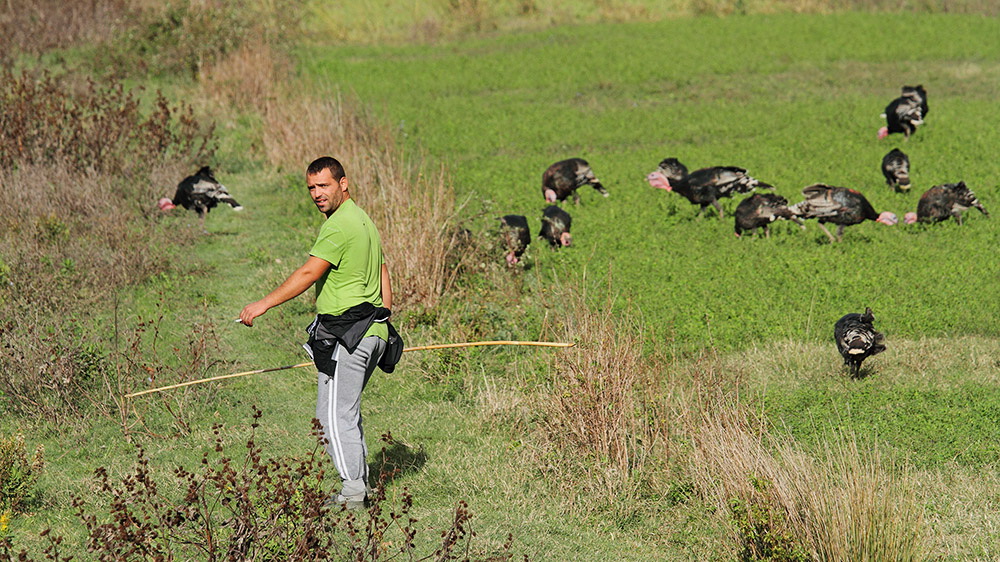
926	403
794	99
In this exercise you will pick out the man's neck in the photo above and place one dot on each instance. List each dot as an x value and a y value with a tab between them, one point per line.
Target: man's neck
330	214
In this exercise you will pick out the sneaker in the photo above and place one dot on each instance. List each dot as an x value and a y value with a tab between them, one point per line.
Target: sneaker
351	504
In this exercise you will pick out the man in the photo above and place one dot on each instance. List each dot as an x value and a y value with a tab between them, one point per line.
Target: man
348	338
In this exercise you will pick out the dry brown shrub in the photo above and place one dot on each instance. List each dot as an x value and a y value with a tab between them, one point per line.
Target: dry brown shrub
850	505
414	211
63	234
92	126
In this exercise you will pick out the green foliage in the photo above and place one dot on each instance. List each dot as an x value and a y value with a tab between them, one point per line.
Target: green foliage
52	228
679	493
915	424
762	528
19	472
259	256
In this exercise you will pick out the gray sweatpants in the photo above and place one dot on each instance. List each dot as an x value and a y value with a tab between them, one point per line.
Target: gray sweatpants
338	408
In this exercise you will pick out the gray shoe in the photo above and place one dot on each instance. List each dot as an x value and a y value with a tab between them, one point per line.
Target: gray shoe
349	503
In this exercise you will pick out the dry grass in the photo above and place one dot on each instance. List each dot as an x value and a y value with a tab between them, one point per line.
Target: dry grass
435	20
848	506
35	26
963	511
928	362
246	79
414	211
63	238
601	412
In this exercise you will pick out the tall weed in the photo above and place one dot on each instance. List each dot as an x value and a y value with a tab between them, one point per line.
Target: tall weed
247	78
603	407
19	472
91	126
82	165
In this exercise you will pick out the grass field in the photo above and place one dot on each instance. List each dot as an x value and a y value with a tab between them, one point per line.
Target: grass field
793	98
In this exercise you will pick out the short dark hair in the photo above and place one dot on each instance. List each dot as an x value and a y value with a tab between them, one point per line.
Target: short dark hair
326	163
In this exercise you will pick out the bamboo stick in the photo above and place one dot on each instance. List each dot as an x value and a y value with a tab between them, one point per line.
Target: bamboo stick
417	348
498	342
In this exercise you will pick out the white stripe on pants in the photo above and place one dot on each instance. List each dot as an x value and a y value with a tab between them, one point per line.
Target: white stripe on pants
338	408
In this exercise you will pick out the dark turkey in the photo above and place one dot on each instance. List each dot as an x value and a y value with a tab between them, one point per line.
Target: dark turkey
838	205
555	227
516	235
905	113
703	187
200	193
857	339
759	211
896	169
943	201
563	178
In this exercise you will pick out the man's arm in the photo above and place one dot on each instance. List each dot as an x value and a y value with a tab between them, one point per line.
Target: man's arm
386	287
300	280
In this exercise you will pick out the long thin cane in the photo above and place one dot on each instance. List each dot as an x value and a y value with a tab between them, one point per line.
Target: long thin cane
417	348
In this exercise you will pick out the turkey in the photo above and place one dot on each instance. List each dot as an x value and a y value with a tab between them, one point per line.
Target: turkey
896	169
904	113
857	339
563	178
517	235
200	193
943	201
838	205
760	210
555	226
703	187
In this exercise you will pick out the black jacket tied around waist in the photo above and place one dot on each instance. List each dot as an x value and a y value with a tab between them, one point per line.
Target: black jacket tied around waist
348	329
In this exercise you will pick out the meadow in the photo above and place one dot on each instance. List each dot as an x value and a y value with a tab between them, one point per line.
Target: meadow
704	404
795	104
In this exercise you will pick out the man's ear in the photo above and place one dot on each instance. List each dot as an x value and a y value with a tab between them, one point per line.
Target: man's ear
343	183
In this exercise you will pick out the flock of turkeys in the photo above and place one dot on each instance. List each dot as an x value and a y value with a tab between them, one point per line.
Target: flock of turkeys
854	334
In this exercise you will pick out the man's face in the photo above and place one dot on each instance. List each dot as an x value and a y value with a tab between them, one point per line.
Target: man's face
326	192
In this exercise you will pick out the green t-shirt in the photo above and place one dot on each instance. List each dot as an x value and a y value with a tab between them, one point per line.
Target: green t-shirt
350	242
